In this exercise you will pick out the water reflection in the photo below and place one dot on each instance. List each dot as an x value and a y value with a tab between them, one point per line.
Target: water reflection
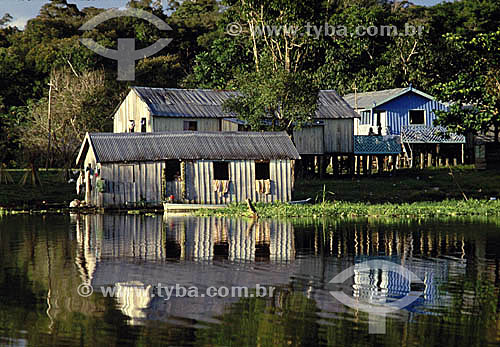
136	253
45	258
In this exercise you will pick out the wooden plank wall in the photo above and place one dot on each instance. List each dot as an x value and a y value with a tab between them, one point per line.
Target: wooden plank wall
177	124
229	126
242	182
132	183
131	108
309	140
339	136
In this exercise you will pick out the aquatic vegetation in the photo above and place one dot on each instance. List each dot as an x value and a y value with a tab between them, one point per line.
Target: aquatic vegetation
357	209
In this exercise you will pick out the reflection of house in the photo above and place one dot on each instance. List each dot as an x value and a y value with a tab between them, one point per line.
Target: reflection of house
192	167
231	239
162	109
135	253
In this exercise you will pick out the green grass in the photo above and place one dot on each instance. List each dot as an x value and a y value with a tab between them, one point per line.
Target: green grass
405	186
53	191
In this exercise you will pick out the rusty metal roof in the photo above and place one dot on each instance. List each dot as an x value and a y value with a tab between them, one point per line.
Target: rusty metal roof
205	103
188	145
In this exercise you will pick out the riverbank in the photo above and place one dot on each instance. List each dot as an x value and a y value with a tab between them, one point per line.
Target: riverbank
53	192
431	192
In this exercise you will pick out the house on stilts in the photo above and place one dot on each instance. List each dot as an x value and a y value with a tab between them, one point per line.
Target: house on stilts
328	137
408	115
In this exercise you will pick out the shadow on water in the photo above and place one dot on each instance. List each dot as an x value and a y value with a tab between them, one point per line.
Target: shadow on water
45	259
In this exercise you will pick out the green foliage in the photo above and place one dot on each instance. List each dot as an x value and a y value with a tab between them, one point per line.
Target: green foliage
475	90
455	57
274	99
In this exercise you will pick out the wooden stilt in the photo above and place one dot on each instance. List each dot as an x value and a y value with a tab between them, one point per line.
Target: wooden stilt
463	155
335	161
351	165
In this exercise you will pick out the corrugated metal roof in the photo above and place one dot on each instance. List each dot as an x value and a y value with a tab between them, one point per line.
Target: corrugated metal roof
376	145
332	105
428	134
205	103
366	100
198	103
190	145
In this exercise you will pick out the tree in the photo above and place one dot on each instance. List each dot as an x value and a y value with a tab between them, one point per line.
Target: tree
274	99
475	90
5	19
79	103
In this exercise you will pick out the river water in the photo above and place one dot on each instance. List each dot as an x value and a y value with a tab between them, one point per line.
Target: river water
105	280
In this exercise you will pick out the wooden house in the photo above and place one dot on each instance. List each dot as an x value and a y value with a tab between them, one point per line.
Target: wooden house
161	109
392	109
486	150
134	169
408	113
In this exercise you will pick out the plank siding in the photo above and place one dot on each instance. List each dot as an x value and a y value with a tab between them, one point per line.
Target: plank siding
339	136
132	108
177	124
309	140
229	126
397	111
129	184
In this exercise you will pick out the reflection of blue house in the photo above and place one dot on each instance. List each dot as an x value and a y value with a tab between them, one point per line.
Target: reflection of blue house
392	109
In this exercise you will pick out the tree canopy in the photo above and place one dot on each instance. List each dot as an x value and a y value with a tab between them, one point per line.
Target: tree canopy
283	53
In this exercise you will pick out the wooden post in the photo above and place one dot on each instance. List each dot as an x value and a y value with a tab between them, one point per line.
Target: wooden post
447	162
87	187
455	162
463	155
351	165
380	162
335	165
394	162
321	160
421	160
429	159
438	156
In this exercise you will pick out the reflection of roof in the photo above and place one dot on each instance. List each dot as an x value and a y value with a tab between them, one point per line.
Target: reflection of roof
187	145
376	145
379	97
206	103
428	134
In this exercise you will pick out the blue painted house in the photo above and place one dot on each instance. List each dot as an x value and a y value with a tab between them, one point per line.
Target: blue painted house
392	109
